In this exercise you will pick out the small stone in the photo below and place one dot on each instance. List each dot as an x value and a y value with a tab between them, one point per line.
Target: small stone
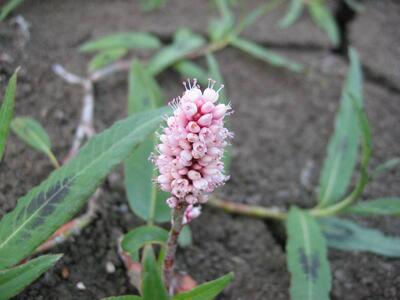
110	268
65	272
80	286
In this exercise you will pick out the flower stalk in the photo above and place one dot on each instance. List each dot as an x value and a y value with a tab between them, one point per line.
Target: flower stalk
169	261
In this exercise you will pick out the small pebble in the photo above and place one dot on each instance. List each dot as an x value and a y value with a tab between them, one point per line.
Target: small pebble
65	273
110	268
80	286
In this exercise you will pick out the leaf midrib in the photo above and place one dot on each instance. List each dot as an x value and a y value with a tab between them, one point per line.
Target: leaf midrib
72	178
304	226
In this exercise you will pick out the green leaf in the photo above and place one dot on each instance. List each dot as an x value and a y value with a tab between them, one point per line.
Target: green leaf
265	55
191	70
293	13
184	42
386	166
341	156
381	206
127	40
220	28
152	284
149	5
7	8
347	235
324	19
144	197
46	207
31	132
105	58
137	238
307	258
6	112
126	297
208	290
185	238
14	280
252	17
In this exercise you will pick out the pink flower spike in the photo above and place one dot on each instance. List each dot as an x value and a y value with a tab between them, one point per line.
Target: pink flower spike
172	202
205	120
191	148
191	212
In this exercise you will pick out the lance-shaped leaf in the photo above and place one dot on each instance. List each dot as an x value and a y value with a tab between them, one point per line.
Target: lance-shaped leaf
184	42
31	132
324	19
220	28
46	207
106	57
152	284
293	13
208	290
341	156
265	55
7	8
347	235
14	280
191	70
381	206
145	199
6	112
127	40
307	258
137	238
386	166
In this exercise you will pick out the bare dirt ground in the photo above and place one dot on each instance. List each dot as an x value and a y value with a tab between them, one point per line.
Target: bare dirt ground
282	124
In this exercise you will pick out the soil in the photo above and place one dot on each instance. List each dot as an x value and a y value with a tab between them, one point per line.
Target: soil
282	124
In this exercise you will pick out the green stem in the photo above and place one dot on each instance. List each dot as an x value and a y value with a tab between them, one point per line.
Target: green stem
248	210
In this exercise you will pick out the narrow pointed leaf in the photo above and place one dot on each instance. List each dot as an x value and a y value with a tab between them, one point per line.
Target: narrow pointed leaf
293	13
191	70
381	206
307	258
8	7
46	207
341	156
152	284
349	236
127	40
32	133
208	290
145	199
14	280
185	238
221	27
6	112
252	17
386	166
137	238
265	55
324	19
106	57
184	42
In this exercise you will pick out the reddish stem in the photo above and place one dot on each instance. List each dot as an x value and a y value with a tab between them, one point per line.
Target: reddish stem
176	227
